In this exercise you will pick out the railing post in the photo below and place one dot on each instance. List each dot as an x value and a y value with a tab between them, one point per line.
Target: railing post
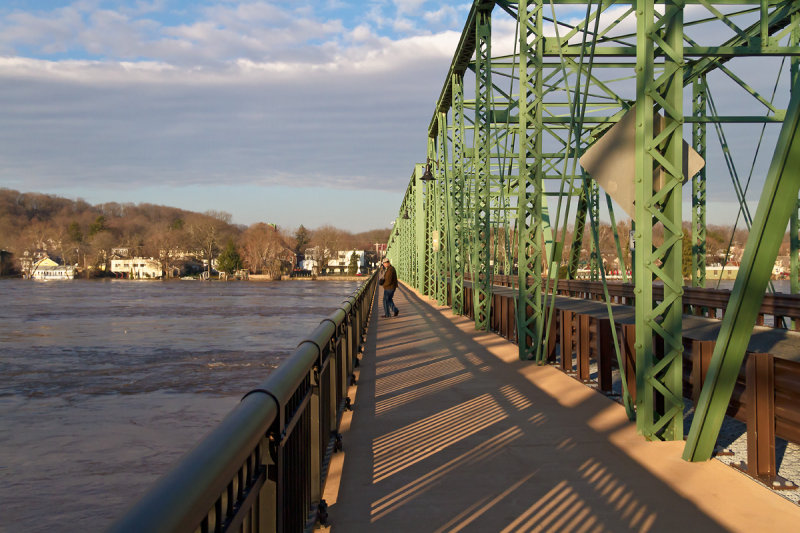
317	443
267	516
352	346
760	394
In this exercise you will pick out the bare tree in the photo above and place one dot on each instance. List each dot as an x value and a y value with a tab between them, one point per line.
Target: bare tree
100	246
208	231
263	249
327	241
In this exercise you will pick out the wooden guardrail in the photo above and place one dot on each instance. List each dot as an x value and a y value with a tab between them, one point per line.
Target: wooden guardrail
782	309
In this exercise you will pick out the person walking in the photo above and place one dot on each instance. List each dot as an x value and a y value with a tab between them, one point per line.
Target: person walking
389	286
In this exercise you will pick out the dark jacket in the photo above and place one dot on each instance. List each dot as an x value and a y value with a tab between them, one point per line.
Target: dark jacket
390	278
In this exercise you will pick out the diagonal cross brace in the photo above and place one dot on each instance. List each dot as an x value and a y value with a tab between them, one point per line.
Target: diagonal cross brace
778	199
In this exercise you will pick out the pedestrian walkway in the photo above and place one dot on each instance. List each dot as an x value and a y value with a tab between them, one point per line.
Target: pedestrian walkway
451	432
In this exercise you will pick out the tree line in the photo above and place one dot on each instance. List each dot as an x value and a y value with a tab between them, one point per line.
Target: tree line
78	233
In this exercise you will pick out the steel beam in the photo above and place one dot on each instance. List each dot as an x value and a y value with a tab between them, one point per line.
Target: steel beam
659	150
529	202
778	200
457	185
482	273
699	110
419	228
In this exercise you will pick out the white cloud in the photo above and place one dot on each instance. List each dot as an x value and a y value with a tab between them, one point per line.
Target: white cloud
444	15
409	7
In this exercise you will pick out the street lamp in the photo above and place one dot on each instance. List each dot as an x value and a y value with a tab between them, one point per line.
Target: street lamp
427	176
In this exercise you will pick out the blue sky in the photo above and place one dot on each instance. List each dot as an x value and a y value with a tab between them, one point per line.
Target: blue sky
303	112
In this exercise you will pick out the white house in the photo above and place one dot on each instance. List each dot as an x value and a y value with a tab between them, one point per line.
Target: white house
137	268
338	262
341	262
45	269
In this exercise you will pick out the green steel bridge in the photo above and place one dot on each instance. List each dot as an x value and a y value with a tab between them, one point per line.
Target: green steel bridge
583	106
581	110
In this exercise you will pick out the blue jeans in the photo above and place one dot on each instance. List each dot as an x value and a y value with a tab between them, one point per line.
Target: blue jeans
388	303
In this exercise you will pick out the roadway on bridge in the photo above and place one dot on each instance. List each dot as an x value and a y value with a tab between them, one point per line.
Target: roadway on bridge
450	432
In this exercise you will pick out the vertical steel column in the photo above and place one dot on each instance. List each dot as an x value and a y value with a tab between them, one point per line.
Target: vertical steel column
419	228
442	195
778	200
659	154
405	239
794	243
482	274
456	180
699	110
529	203
430	217
577	235
411	203
794	250
594	204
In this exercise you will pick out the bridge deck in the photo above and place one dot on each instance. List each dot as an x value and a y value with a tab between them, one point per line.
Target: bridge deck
451	432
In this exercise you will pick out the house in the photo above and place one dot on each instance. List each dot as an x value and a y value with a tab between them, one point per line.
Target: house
45	269
137	268
340	263
718	271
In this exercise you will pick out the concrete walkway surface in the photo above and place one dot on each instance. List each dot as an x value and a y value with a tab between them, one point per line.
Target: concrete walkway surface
451	432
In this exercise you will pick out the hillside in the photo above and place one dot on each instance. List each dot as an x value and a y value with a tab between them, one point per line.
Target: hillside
76	232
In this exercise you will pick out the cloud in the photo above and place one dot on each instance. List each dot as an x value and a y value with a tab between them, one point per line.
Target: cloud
258	93
348	112
407	7
444	15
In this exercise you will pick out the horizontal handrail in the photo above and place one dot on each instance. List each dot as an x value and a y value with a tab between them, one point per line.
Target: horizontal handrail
696	300
261	465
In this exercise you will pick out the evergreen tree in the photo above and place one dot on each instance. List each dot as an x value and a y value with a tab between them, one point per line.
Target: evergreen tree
302	238
97	226
229	260
352	268
74	232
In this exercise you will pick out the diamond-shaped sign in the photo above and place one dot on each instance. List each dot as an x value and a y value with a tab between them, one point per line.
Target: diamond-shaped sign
611	161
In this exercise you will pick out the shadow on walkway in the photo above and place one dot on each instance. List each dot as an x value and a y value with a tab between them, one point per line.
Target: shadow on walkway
450	432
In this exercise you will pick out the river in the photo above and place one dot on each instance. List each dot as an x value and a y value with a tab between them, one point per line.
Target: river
105	384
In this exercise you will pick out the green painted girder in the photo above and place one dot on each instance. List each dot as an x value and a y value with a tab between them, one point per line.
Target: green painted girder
430	217
776	21
606	3
794	238
691	51
728	119
457	185
482	273
659	400
777	202
594	221
420	225
442	199
461	59
699	109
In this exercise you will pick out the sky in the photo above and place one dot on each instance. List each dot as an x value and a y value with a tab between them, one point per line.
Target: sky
302	112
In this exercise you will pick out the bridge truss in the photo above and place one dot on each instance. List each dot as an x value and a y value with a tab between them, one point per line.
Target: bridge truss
533	84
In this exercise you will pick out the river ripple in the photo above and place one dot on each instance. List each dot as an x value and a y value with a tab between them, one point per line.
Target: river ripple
107	383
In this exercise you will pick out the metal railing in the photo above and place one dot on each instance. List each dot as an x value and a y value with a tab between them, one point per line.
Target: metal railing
263	468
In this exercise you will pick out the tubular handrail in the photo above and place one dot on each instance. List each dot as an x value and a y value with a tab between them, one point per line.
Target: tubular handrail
262	465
